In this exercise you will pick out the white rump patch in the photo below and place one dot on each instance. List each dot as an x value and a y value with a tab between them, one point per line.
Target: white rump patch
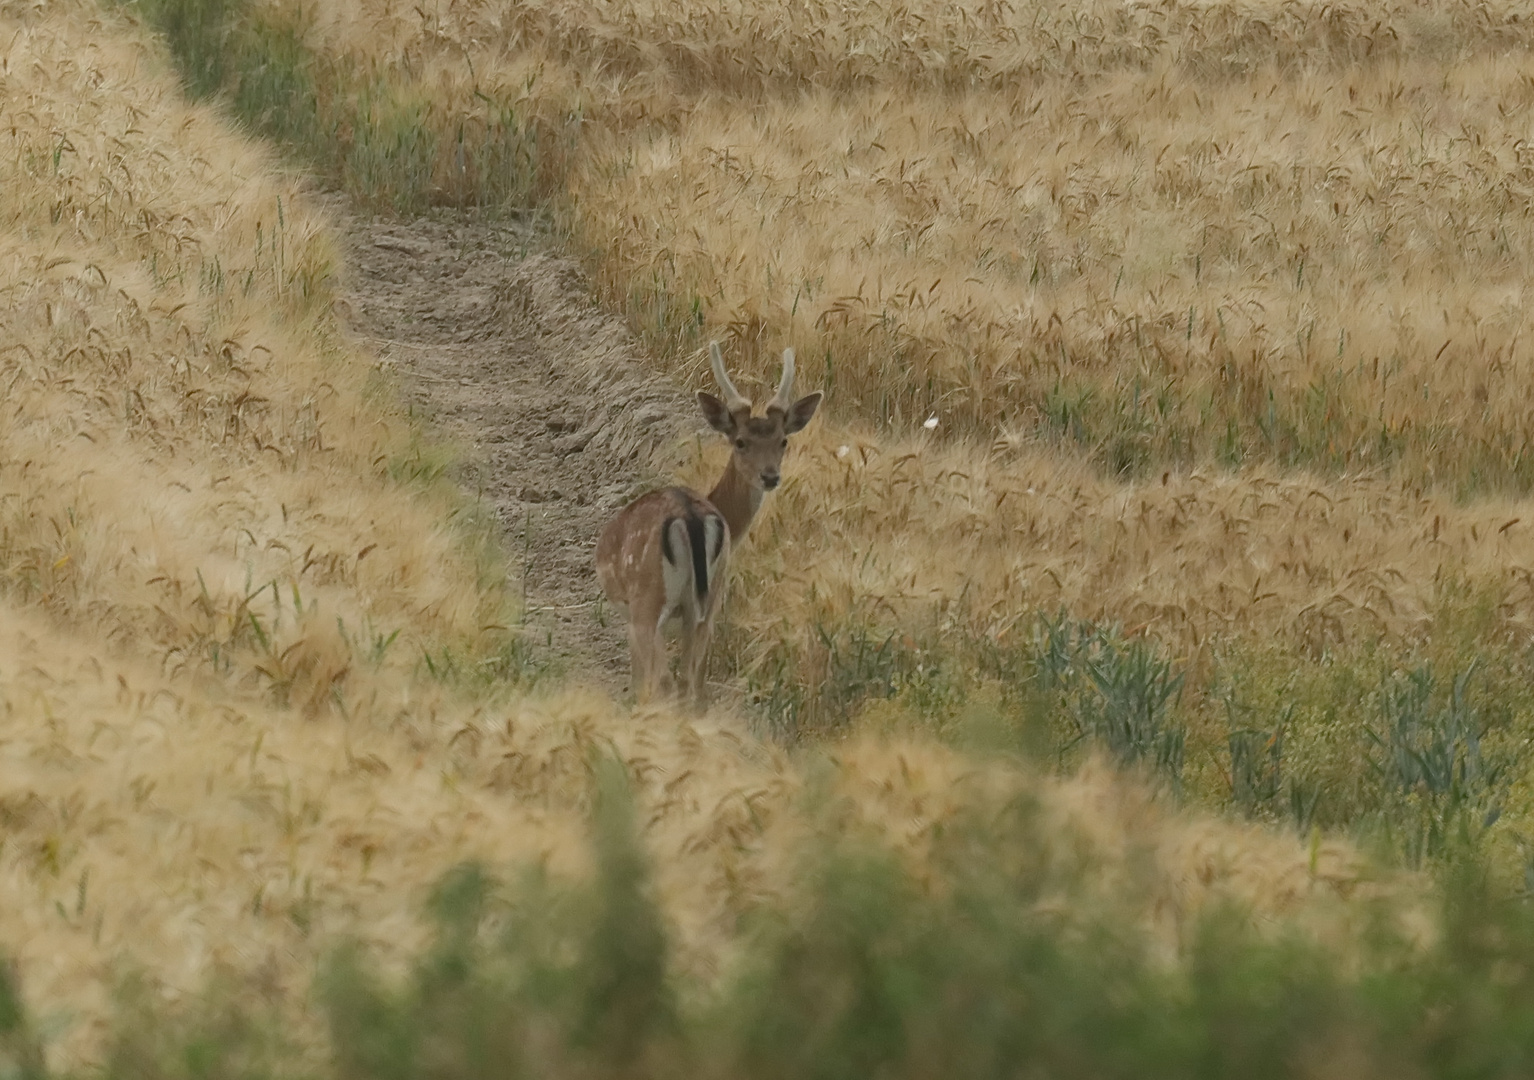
714	533
676	574
713	544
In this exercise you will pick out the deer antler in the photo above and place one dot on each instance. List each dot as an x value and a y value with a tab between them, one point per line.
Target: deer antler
733	399
784	397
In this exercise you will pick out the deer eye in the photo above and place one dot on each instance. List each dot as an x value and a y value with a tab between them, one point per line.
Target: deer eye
740	444
783	443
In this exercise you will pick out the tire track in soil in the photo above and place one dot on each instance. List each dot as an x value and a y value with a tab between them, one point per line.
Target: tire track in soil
559	422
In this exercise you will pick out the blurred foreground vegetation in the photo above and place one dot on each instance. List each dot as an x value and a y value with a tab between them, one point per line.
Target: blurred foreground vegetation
1004	969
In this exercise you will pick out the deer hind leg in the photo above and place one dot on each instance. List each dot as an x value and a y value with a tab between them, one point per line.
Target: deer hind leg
640	649
660	665
647	650
652	679
695	636
696	643
698	632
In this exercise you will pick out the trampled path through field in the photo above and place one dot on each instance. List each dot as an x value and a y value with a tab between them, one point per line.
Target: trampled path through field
556	418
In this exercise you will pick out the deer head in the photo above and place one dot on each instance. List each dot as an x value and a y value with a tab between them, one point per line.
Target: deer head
758	441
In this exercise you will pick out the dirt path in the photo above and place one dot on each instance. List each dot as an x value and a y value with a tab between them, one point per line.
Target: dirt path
556	416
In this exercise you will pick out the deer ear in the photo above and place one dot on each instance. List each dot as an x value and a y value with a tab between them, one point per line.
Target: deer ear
716	414
800	413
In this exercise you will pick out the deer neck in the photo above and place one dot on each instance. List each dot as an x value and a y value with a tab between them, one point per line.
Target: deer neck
737	499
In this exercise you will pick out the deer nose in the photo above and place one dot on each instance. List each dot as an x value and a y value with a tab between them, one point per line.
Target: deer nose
770	478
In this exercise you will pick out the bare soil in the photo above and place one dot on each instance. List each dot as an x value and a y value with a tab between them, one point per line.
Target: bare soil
557	420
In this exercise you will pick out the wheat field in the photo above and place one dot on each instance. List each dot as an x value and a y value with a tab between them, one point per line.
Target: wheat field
1237	253
1163	233
1217	309
225	550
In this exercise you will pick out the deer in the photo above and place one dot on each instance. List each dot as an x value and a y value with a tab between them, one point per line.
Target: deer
665	555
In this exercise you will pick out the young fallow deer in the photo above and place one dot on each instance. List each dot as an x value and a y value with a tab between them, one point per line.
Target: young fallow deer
666	553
